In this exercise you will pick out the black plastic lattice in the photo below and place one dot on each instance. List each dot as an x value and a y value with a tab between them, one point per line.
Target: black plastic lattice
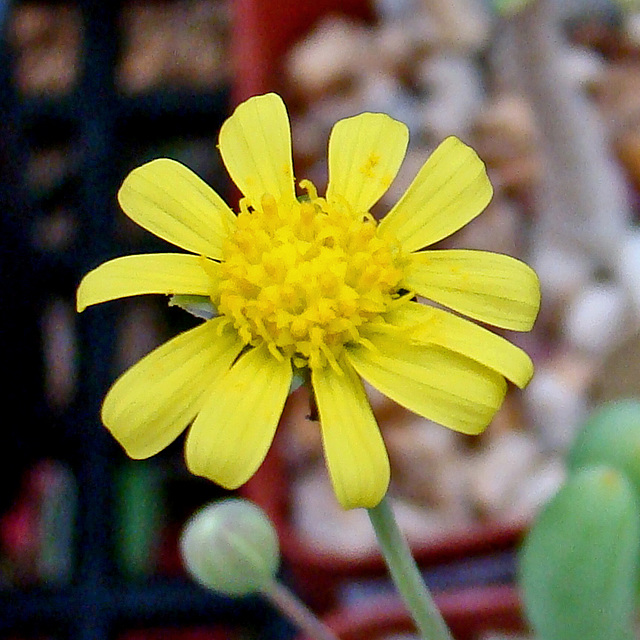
97	602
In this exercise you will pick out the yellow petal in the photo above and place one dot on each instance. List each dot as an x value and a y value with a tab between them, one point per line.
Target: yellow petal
232	434
354	450
365	153
436	383
428	325
171	201
255	145
153	402
449	191
168	273
489	287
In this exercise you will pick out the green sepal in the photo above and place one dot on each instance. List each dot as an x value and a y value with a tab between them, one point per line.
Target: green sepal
300	377
198	306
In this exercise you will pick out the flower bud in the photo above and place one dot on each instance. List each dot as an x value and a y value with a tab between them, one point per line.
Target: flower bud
231	547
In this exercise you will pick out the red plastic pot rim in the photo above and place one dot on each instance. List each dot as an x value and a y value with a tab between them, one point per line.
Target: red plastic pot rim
468	612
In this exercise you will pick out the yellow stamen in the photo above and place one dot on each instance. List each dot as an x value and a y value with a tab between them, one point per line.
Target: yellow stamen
305	278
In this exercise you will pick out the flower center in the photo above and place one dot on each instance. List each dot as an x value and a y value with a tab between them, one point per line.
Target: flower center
306	277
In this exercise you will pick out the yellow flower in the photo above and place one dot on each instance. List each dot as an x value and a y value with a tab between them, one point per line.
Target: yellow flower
314	283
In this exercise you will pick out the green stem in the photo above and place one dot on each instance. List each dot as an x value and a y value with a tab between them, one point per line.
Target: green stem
406	574
297	612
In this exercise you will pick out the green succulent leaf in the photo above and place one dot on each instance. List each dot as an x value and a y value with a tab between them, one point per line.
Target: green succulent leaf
579	562
610	436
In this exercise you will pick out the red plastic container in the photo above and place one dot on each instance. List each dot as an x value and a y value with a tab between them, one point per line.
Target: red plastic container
318	574
263	32
265	29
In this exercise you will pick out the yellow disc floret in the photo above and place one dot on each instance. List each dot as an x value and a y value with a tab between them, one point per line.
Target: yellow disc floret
306	277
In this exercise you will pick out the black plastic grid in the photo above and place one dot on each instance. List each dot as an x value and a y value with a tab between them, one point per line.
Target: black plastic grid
98	602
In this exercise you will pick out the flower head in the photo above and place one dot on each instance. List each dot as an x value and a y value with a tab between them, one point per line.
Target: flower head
301	281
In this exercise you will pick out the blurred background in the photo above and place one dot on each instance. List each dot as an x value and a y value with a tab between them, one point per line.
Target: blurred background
547	92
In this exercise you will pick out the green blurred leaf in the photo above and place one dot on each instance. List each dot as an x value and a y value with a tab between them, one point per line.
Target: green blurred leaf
509	7
579	562
628	5
611	436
